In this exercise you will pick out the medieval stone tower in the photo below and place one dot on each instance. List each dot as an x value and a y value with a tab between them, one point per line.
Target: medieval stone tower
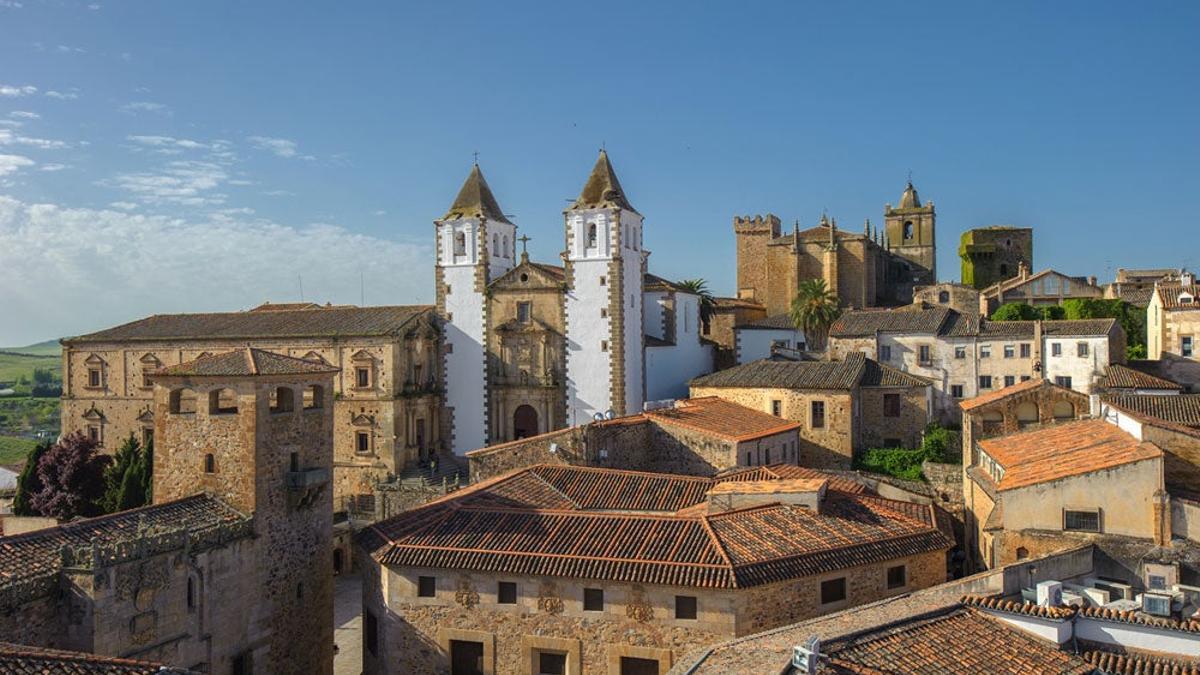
911	235
255	429
604	266
475	244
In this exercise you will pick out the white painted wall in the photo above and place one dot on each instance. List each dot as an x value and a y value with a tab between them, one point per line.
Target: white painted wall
632	257
465	373
755	343
502	244
1138	636
588	365
1057	632
1081	369
653	311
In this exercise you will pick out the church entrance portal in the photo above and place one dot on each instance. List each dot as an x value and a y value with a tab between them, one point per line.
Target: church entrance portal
525	422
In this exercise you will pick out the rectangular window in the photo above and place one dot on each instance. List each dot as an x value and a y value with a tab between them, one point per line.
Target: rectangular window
147	382
362	377
1081	521
94	433
1055	349
426	587
94	377
956	390
985	351
1063	381
506	594
1025	378
1185	345
891	405
897	577
603	280
885	353
604	345
523	311
593	599
1009	380
818	415
1081	349
960	352
1010	351
552	663
777	408
923	354
833	590
1025	350
985	381
362	442
603	312
370	632
685	607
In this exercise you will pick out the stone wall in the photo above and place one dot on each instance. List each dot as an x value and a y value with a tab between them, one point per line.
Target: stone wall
499	459
877	430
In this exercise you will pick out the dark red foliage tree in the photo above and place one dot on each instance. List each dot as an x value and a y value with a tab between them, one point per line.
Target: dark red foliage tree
72	475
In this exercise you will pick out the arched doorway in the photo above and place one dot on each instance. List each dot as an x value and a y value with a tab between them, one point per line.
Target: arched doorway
525	422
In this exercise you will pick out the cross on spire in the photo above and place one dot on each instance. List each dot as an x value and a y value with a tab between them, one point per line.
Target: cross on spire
476	155
523	239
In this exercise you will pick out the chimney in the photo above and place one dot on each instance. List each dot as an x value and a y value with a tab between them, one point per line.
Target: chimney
1022	270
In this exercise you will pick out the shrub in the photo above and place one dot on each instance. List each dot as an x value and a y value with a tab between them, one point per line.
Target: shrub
906	462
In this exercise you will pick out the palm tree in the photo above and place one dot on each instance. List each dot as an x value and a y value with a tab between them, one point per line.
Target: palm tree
814	309
700	288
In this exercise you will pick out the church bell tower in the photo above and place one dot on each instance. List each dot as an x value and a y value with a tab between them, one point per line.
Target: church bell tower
910	235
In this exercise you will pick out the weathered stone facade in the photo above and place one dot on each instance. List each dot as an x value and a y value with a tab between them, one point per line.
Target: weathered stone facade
992	254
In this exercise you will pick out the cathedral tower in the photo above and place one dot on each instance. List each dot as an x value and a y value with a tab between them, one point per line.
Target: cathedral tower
604	265
910	235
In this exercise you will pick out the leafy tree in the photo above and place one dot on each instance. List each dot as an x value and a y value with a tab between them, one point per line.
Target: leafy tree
126	478
29	483
814	309
1135	352
1052	313
72	475
42	376
1015	311
1132	319
700	288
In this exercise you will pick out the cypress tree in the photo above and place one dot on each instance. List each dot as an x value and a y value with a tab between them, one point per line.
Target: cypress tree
29	482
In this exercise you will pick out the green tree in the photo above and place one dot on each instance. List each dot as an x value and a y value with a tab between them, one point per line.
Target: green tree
1052	313
814	309
1132	319
42	376
1015	311
700	288
125	478
29	483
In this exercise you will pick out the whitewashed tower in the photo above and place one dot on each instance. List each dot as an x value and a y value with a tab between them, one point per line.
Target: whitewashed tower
475	243
604	264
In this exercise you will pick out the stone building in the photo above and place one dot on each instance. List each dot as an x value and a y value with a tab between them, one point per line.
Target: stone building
727	315
20	659
1136	286
532	347
760	339
842	407
1047	287
230	570
994	253
965	357
1173	321
862	270
698	436
387	400
554	569
959	297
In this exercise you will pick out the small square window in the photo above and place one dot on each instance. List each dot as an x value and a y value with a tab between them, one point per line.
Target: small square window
885	353
960	352
1025	378
985	351
552	663
593	600
956	390
833	590
1081	349
94	377
506	594
1081	521
603	281
777	408
1009	380
604	345
1009	351
426	587
362	377
1063	381
891	405
985	381
685	607
603	312
524	311
1025	350
897	577
1055	349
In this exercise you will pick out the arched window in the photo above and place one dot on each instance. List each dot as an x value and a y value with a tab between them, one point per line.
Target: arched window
495	244
944	297
460	243
1022	553
1063	410
222	402
282	400
191	593
591	235
210	463
1027	413
314	397
183	402
908	229
504	247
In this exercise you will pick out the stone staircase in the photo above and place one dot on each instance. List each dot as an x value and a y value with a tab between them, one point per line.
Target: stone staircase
446	468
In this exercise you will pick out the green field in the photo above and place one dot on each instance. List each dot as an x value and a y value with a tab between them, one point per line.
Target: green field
15	450
18	362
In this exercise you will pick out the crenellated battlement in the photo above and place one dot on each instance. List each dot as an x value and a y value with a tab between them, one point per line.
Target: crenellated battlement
757	224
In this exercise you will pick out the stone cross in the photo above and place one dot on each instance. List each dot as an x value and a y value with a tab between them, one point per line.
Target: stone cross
523	239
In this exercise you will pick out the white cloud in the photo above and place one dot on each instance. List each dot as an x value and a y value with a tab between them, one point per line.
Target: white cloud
13	163
11	123
25	114
147	107
381	212
124	206
53	167
67	49
94	6
63	95
55	257
280	146
186	182
279	193
11	90
7	137
11	4
168	143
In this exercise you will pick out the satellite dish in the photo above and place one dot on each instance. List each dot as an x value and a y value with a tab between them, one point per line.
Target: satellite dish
610	414
599	417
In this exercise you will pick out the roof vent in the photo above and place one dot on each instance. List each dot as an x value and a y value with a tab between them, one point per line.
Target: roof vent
804	657
1156	604
1049	594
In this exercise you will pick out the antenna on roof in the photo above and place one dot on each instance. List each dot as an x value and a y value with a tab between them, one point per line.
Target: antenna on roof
300	280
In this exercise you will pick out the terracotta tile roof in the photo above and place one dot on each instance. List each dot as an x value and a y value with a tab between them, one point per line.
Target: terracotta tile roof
768	486
653	282
961	640
1135	617
867	322
1118	376
1005	392
247	362
1182	409
1004	329
31	554
792	472
1063	450
876	374
24	660
323	322
735	303
1013	607
1169	294
1081	327
718	417
1139	297
1136	663
777	322
283	306
787	374
628	526
946	322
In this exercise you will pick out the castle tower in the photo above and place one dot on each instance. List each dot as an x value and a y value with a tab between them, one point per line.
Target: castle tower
911	235
753	236
604	263
255	429
475	244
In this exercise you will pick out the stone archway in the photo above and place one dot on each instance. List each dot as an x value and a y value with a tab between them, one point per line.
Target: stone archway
525	422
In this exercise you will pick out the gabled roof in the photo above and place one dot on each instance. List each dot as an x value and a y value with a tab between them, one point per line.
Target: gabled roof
24	660
653	282
249	362
552	274
1182	409
865	322
735	303
475	200
628	526
1169	294
1017	281
718	417
1080	327
1135	663
1119	376
777	322
325	322
856	369
791	472
602	189
1064	450
876	374
946	322
1010	391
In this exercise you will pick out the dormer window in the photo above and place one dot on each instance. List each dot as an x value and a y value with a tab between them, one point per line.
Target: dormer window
1186	299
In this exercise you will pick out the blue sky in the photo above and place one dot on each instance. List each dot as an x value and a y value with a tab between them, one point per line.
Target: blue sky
171	156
